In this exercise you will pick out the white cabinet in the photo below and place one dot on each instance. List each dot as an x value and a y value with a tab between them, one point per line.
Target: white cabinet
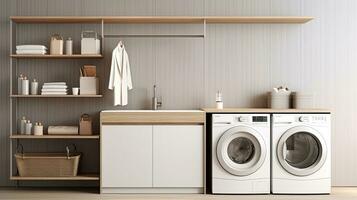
152	158
178	156
126	156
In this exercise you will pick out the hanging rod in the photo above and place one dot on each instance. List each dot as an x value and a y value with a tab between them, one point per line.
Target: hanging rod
154	35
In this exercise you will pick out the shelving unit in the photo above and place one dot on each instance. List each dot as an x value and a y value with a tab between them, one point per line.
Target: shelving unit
16	138
102	20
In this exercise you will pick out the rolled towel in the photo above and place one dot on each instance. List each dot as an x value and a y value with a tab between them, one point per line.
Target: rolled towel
31	47
31	52
62	130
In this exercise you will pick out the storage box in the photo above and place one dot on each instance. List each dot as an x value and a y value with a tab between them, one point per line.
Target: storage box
88	85
303	100
90	43
278	101
85	125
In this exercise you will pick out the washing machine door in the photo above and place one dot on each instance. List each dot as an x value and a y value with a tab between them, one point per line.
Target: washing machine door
301	151
241	150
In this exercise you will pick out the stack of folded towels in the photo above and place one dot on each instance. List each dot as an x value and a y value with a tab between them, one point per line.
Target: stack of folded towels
31	49
54	88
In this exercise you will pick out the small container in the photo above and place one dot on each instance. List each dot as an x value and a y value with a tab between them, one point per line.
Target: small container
28	128
25	86
56	47
89	85
75	91
90	43
219	102
69	46
34	87
19	84
23	122
85	125
38	129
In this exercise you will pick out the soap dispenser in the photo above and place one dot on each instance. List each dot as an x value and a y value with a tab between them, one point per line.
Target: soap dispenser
219	101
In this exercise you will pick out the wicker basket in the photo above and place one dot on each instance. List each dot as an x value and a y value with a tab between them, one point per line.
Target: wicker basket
47	164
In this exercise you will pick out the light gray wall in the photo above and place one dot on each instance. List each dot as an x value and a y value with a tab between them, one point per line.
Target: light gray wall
244	61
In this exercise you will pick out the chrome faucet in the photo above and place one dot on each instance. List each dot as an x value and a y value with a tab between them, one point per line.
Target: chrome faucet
155	101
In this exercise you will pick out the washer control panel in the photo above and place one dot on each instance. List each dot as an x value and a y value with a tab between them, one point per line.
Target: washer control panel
225	119
301	118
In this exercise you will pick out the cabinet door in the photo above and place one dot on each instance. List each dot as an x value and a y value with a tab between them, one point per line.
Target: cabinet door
126	156
178	156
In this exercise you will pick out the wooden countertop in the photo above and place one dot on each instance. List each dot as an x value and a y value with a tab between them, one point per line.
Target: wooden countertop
152	117
264	110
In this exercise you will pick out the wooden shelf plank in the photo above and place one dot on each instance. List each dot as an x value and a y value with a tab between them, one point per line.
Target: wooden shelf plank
55	96
260	19
18	136
161	19
74	178
55	56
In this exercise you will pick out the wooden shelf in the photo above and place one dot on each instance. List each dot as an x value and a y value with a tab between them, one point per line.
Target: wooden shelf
161	19
75	178
55	56
18	136
55	96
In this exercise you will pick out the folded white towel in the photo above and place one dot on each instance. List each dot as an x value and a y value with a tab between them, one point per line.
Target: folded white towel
31	52
54	93
53	90
55	83
54	87
31	47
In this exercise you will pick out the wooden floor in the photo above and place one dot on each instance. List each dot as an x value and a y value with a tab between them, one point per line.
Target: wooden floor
338	193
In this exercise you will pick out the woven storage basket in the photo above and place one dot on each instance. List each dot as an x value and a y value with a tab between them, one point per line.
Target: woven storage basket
47	164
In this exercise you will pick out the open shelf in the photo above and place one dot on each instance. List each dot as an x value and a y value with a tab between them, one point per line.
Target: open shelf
55	96
47	56
70	178
161	19
18	136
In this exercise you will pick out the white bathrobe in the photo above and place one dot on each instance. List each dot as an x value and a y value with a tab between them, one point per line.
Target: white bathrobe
120	77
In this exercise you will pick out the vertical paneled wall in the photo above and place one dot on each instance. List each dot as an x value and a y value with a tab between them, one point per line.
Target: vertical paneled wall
244	61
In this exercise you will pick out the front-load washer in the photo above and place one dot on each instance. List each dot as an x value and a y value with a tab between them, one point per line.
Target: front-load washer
301	154
240	154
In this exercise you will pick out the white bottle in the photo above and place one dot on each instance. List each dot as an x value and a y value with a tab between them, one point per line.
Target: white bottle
38	129
34	87
28	128
69	46
25	86
23	125
219	102
19	84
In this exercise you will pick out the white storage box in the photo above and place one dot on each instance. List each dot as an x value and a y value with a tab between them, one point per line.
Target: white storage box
303	100
278	101
88	85
90	43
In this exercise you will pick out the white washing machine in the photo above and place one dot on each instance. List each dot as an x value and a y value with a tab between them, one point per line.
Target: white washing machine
240	153
301	154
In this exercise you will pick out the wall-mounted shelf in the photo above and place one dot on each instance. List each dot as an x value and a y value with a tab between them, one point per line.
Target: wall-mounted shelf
55	96
79	56
47	178
161	19
18	136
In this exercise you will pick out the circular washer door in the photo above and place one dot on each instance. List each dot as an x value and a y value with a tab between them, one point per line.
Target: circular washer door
301	151
241	150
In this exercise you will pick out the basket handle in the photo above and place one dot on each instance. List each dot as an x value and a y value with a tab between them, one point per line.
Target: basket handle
68	151
22	149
